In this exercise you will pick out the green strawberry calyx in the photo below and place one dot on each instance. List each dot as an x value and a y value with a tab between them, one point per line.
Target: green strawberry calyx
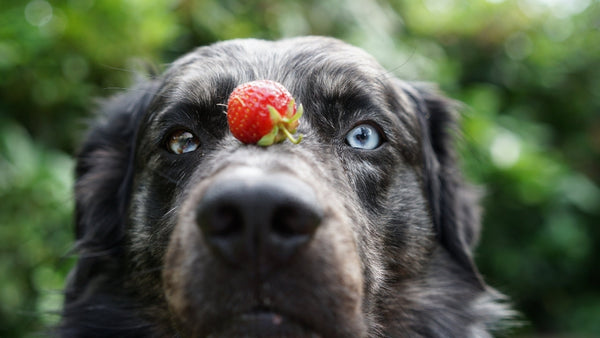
283	126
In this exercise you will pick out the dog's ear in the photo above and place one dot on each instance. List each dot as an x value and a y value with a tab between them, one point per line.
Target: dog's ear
103	178
454	204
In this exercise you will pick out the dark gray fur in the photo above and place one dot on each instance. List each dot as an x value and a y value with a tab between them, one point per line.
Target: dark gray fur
391	258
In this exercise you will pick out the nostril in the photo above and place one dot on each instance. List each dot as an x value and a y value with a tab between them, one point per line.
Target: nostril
283	222
225	220
220	220
293	220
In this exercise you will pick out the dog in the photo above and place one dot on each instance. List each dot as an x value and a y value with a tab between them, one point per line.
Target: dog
364	229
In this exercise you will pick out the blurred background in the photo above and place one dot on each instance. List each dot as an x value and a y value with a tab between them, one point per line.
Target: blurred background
528	71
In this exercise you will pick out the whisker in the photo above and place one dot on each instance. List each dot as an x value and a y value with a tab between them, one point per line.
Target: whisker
390	72
167	177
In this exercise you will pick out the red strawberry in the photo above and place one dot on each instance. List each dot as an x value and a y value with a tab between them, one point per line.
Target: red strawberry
263	112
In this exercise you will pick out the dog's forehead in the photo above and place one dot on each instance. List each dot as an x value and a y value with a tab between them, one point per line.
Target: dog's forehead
301	64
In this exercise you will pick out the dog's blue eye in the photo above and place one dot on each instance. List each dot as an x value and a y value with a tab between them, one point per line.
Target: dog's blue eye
182	141
364	136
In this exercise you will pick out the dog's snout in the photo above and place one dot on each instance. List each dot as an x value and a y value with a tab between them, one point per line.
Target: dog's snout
258	220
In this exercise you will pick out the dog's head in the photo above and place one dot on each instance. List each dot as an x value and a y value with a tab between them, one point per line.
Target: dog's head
364	228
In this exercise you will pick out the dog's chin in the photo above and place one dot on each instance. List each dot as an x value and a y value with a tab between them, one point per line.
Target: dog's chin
262	323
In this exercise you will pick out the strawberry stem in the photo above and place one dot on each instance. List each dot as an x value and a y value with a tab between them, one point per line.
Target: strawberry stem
291	137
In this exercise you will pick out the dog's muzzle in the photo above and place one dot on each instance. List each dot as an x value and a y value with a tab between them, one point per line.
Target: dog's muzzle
258	220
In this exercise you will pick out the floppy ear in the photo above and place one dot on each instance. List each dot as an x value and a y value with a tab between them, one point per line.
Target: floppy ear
454	203
103	178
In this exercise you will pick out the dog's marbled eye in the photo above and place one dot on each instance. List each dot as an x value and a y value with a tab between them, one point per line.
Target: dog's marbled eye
183	141
364	136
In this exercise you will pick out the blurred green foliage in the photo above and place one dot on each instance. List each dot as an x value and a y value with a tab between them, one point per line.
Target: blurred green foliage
528	72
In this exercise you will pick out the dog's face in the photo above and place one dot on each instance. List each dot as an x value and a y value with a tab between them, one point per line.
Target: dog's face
362	229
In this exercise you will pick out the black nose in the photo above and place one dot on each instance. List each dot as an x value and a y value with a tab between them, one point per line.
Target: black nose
257	220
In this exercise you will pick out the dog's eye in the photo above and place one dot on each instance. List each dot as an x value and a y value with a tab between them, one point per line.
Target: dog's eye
183	141
364	136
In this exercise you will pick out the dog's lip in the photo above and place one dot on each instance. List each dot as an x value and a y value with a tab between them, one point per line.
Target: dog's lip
264	322
264	318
